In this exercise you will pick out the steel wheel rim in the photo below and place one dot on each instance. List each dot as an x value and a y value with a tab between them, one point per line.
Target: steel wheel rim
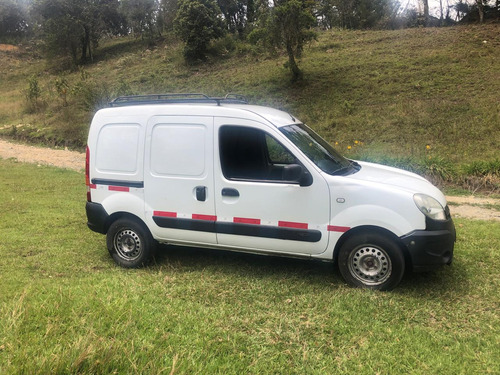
369	264
128	244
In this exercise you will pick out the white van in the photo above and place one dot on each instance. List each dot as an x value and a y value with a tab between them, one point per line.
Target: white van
220	173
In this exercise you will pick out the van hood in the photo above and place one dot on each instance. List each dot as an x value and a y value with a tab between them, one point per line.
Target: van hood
411	182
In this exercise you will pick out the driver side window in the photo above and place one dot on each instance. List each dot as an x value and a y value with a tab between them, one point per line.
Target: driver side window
251	154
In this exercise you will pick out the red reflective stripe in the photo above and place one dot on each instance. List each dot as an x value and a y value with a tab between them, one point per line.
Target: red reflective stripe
335	228
204	217
245	220
93	186
118	188
291	224
164	214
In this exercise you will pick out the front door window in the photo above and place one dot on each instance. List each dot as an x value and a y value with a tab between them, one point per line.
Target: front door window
253	155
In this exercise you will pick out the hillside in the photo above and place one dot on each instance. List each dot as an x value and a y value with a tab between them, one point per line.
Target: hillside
423	99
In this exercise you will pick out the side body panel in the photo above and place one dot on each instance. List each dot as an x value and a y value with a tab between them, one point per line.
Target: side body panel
178	179
357	203
116	149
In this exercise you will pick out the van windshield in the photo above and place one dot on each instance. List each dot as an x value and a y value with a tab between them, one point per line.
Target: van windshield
318	150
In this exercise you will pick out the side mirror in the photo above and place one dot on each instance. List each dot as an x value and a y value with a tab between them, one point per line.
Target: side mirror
297	173
306	179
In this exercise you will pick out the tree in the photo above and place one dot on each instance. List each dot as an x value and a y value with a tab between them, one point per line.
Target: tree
462	9
480	9
167	13
197	23
373	13
237	14
426	12
441	14
356	14
74	27
13	20
141	16
326	13
289	27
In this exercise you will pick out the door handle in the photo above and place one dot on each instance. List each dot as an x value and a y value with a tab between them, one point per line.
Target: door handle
230	192
201	193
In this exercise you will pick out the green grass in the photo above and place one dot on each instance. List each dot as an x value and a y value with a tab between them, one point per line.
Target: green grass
65	308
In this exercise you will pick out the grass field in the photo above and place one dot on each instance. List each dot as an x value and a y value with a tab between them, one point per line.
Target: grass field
424	99
65	308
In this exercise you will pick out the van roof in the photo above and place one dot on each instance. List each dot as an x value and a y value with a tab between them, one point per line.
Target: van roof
274	116
167	104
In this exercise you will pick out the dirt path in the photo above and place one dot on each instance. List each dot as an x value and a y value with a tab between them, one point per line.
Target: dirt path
468	207
30	154
472	207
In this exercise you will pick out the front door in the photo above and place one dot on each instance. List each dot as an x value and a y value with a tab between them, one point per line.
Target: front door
258	207
178	179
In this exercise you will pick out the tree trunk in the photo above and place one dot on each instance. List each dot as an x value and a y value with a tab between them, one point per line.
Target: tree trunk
83	57
442	15
85	44
426	12
91	56
74	53
296	72
481	10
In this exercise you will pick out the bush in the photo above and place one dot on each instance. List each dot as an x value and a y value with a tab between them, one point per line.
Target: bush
197	23
33	93
223	46
90	94
483	168
62	86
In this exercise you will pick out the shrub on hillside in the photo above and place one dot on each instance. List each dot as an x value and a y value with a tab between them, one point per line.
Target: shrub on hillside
197	23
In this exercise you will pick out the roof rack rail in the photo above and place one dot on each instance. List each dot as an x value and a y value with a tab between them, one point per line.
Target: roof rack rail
175	99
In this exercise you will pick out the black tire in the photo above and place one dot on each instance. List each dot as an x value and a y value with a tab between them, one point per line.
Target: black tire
371	260
130	243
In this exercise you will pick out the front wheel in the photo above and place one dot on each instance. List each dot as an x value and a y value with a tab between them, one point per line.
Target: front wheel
372	261
130	244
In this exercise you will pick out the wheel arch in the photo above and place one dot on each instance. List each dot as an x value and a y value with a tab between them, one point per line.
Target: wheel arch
371	229
124	215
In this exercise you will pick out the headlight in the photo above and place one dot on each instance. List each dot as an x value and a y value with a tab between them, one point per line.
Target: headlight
429	207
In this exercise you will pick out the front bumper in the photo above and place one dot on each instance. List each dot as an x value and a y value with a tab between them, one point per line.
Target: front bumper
433	247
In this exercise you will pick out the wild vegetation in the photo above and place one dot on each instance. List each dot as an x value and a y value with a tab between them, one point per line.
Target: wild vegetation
424	99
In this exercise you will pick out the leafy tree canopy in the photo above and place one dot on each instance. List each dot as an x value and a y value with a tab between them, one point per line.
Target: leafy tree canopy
238	14
142	16
74	27
197	23
13	19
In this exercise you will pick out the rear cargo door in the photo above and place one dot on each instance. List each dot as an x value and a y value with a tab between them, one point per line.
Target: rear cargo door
178	179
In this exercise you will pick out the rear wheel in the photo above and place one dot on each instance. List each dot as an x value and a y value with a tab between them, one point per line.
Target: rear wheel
130	243
372	261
